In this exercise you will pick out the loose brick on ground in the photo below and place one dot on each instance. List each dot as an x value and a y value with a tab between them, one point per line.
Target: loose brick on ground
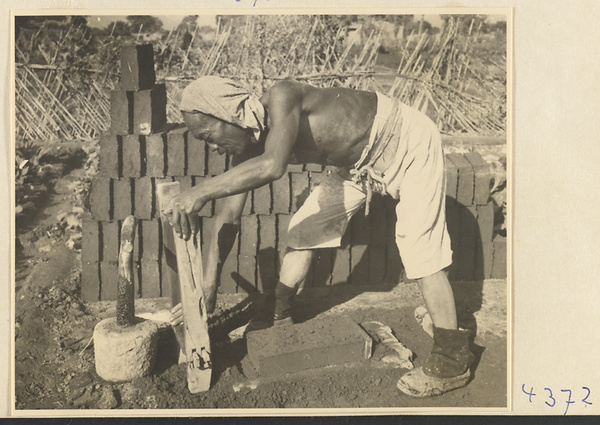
90	280
466	179
155	154
281	194
137	67
176	158
481	171
262	200
121	198
100	198
143	198
108	280
110	156
121	112
316	343
300	190
150	279
133	156
267	253
150	110
90	240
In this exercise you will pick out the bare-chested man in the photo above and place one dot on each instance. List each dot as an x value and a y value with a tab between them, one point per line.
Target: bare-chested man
377	144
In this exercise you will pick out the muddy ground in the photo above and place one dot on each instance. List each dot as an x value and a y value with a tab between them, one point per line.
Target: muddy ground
54	362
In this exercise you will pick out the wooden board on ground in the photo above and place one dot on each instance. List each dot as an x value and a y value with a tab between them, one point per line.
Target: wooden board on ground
189	268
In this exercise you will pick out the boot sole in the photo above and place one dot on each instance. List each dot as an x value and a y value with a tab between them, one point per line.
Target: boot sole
424	386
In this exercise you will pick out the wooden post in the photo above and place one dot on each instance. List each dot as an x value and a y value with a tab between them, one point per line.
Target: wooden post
189	270
125	297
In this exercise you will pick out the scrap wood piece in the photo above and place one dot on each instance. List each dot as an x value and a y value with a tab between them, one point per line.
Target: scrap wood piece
189	268
383	334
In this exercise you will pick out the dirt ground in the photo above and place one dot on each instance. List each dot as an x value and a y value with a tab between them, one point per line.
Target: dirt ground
54	362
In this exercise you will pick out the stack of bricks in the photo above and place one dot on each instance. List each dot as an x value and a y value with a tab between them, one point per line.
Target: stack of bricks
142	151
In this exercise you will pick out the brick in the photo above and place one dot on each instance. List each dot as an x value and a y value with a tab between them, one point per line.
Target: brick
110	240
110	156
90	240
249	235
100	199
150	239
267	253
500	258
484	261
155	182
143	202
485	221
121	198
359	258
283	223
207	210
341	266
150	110
137	244
482	175
300	190
316	178
315	343
108	280
247	273
281	194
322	267
466	179
185	182
137	67
176	159
155	155
229	272
451	171
393	263
378	227
453	225
207	234
196	156
215	163
262	200
295	168
377	262
317	168
90	281
121	112
169	277
248	204
150	279
467	244
133	156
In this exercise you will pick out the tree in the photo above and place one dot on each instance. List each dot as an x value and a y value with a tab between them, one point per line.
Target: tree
144	23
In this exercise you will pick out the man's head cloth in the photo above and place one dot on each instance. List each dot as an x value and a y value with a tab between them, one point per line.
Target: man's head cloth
224	99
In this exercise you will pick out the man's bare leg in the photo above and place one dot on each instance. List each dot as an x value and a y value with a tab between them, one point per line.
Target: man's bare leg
293	271
439	298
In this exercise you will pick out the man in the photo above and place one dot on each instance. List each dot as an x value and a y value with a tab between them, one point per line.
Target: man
376	143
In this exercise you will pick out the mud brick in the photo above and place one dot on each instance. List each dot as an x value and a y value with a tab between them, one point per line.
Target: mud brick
393	263
110	240
322	267
248	204
121	198
453	226
315	168
281	194
466	179
185	182
262	200
110	156
485	221
283	223
176	160
229	272
208	224
341	266
196	156
467	243
500	258
155	155
143	201
108	280
150	239
377	260
155	182
150	279
313	344
215	163
207	210
150	110
267	253
316	179
90	280
359	257
451	171
121	112
249	235
133	156
90	241
481	171
137	67
300	190
100	201
295	168
377	222
247	273
169	277
484	261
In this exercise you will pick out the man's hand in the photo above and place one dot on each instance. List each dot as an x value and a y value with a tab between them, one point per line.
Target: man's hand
182	212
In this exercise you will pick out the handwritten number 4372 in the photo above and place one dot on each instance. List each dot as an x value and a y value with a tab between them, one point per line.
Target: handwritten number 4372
551	401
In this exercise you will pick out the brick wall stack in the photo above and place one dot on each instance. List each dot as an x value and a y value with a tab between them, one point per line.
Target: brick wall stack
141	151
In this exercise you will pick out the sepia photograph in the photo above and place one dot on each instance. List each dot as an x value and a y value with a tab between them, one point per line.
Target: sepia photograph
273	212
